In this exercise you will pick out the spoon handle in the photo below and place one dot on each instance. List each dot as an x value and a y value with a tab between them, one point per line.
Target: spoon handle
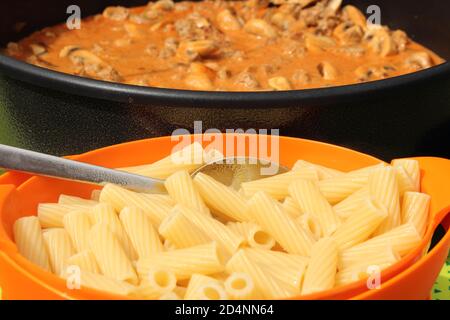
13	158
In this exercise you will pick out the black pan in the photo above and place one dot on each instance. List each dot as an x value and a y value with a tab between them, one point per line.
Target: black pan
61	114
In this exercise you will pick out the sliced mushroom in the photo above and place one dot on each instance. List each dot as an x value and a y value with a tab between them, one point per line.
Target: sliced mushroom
13	48
279	83
247	80
166	5
282	20
327	71
301	77
92	65
419	60
67	50
349	33
38	49
260	27
355	15
400	40
116	13
380	41
315	43
374	72
192	50
227	20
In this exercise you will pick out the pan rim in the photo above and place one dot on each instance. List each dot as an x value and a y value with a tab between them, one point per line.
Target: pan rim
126	93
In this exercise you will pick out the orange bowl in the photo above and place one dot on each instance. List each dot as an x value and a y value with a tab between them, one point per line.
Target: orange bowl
410	278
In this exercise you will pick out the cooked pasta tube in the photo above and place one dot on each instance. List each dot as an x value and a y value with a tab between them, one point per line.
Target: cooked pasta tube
360	225
152	205
253	234
321	271
266	285
292	207
378	256
402	239
182	232
181	188
290	277
415	209
85	260
276	258
202	287
412	168
383	187
277	186
188	158
70	200
77	224
310	223
309	197
268	213
104	213
405	182
338	188
110	255
323	172
59	248
183	263
367	267
221	198
30	242
240	286
105	283
157	283
51	214
227	240
143	235
351	204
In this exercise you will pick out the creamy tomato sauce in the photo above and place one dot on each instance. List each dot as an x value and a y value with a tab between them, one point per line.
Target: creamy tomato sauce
227	46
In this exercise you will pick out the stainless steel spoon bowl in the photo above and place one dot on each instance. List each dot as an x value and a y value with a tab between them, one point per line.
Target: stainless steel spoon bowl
230	171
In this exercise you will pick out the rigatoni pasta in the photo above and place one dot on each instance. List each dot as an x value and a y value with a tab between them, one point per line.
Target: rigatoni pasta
181	188
30	242
182	232
309	197
143	235
268	213
383	187
77	224
59	247
85	260
321	271
203	259
110	255
220	198
205	288
305	231
277	186
240	286
253	234
415	210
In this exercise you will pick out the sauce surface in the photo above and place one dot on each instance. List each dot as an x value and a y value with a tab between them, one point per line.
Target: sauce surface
222	45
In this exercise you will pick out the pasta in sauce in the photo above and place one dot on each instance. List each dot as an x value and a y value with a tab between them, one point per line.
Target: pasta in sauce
222	45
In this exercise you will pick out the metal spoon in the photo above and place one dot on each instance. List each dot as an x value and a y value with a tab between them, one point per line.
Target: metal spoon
230	171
